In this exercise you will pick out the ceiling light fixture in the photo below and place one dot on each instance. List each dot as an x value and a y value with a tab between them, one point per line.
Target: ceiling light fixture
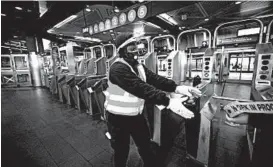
206	19
116	9
167	18
88	9
65	21
153	25
87	38
18	8
140	1
50	31
15	36
200	27
238	2
2	14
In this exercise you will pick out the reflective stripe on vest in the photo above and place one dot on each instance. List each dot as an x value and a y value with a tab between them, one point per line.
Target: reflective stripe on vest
120	102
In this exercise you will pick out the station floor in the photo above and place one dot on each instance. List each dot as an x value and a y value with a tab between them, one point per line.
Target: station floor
37	130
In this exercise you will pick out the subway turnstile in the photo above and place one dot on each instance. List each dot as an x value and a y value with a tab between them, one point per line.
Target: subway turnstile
90	94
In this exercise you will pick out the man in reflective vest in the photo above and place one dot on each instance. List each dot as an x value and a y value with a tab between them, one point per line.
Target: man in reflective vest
130	85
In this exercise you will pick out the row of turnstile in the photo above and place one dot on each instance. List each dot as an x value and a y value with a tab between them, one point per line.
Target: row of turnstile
173	59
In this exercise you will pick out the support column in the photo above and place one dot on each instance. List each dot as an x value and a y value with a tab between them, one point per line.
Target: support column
33	61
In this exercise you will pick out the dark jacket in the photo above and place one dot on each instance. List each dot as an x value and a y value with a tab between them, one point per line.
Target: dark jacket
152	91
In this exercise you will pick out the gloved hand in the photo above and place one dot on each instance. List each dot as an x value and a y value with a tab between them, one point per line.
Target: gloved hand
188	91
177	107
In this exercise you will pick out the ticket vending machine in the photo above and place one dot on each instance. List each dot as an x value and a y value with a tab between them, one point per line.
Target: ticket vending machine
262	81
235	46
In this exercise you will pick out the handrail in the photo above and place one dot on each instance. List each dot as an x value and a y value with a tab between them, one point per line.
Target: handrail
239	21
163	36
194	30
268	31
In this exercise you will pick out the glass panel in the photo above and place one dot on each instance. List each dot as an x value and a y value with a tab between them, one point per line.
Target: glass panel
5	62
20	62
97	52
21	78
109	51
197	67
163	45
87	53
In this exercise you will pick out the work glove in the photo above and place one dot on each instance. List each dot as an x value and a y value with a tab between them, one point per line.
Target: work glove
188	91
177	107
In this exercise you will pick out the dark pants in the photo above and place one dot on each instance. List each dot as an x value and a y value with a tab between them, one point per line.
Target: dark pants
121	128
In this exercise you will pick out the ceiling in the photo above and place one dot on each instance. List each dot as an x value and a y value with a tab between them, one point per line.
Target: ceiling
208	14
16	24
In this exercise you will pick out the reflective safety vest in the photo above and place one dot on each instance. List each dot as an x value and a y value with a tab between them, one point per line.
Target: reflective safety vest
120	102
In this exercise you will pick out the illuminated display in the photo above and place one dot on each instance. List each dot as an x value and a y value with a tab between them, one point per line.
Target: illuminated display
122	18
90	30
142	11
114	21
101	26
132	15
107	24
249	31
96	28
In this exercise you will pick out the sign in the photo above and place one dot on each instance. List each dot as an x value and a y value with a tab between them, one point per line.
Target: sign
132	15
101	26
236	108
107	24
96	28
90	30
237	40
114	21
122	18
84	30
142	11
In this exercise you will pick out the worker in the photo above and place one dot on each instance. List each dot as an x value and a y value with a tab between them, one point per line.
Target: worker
130	84
263	147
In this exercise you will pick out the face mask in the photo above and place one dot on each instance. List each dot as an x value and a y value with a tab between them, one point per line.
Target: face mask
132	52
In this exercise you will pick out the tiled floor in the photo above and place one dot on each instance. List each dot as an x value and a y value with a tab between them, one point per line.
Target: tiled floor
37	130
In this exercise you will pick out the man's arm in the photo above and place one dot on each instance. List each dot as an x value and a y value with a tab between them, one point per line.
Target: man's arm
121	75
160	82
